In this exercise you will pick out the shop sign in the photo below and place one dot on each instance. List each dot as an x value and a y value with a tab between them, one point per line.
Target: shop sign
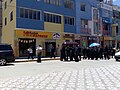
68	36
106	20
108	38
33	34
92	38
56	36
77	37
106	6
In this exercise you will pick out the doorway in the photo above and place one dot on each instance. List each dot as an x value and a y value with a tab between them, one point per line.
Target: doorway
48	46
24	44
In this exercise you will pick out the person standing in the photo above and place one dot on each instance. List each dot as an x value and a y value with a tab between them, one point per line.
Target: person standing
106	55
63	53
67	52
52	52
30	53
39	52
79	52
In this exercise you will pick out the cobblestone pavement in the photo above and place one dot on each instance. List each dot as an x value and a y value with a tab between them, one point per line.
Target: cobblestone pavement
100	78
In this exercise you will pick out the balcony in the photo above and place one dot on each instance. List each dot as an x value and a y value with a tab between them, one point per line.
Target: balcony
86	31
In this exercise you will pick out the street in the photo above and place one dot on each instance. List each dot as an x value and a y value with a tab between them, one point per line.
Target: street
57	75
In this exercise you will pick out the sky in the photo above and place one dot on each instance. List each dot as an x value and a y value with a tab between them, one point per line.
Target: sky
116	2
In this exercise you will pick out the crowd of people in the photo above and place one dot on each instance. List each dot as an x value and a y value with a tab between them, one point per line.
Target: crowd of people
74	52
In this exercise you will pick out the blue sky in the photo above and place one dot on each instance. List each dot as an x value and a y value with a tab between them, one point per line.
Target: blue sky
116	2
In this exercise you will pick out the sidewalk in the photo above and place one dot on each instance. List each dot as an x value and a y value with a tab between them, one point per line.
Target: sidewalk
35	59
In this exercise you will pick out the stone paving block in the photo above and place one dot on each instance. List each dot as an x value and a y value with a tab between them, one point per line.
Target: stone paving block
101	78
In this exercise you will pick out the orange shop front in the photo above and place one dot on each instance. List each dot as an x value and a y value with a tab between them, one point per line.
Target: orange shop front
26	39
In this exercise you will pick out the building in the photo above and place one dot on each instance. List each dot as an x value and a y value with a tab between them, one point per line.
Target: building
116	25
87	19
32	22
0	20
106	14
51	22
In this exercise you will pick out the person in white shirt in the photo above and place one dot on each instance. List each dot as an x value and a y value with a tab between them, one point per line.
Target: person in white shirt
39	52
30	53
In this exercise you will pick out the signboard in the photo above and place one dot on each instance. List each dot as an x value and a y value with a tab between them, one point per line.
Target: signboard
33	34
106	6
77	37
68	36
106	20
56	36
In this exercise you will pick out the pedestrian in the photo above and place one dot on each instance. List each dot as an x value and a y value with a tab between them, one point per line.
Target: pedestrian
39	52
101	53
79	52
84	53
63	53
106	55
76	53
67	52
52	54
96	54
88	53
30	53
72	49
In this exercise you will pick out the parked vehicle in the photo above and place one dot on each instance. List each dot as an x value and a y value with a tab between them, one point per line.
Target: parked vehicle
117	55
6	54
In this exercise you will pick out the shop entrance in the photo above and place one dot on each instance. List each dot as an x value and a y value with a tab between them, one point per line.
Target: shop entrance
24	44
48	46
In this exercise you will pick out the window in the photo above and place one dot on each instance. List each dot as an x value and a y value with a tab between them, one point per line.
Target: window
82	7
34	15
54	2
38	15
5	21
52	18
69	4
84	23
22	12
11	16
69	20
26	13
5	5
30	14
95	14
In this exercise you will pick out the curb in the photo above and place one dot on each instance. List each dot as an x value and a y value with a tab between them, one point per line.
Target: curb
17	61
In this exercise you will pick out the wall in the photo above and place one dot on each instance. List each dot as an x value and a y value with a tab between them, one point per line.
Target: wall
40	5
0	20
84	15
8	30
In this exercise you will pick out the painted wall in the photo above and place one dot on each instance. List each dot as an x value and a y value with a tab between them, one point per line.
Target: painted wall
40	5
0	20
53	27
8	30
84	15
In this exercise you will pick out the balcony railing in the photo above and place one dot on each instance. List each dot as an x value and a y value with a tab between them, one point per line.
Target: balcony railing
85	31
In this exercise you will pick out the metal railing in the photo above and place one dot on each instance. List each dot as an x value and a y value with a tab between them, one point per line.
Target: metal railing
85	31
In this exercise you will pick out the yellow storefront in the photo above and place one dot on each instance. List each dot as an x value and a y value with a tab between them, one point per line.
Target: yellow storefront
30	38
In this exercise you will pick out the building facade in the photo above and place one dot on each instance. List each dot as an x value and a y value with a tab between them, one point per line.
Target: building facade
116	25
87	17
0	20
106	14
49	23
33	22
